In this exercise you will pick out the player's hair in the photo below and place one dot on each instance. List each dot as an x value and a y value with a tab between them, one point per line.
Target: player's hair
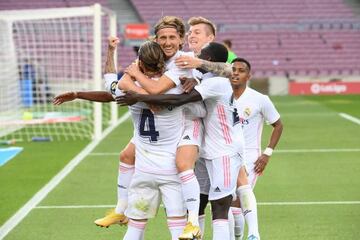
198	20
228	43
242	60
152	56
216	51
171	22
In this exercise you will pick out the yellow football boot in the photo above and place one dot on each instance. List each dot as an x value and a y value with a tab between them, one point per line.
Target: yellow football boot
190	232
111	218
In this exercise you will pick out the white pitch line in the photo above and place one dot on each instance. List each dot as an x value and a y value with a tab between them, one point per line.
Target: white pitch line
350	118
259	203
42	193
324	150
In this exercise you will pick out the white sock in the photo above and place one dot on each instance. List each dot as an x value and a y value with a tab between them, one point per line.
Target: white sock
176	227
126	172
248	206
221	229
231	224
135	230
191	191
202	225
239	223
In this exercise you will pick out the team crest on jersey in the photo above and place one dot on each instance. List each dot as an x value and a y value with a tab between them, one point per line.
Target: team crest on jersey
247	112
113	87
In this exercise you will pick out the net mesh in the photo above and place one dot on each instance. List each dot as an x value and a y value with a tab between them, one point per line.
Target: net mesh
43	58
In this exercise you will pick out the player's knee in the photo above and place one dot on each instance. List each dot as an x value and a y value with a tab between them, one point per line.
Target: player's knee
127	157
183	165
220	208
242	177
204	199
236	203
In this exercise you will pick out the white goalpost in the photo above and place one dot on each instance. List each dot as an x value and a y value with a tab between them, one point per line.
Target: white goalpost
46	52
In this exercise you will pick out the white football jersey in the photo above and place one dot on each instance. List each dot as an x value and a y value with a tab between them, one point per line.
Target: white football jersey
253	108
173	72
223	133
156	136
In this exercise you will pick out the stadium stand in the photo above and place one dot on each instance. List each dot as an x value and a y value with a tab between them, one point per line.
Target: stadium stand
284	37
281	37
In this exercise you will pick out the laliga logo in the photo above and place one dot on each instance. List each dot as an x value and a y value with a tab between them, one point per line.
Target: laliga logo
317	88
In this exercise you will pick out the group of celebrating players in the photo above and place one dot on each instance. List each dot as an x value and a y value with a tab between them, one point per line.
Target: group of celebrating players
197	134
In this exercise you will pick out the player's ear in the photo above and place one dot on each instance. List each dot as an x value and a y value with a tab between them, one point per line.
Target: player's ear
249	77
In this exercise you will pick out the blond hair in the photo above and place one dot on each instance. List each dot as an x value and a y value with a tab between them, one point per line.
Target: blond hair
198	20
171	22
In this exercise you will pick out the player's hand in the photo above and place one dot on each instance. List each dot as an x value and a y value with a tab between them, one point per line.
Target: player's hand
128	99
187	62
113	42
261	163
133	70
188	84
65	97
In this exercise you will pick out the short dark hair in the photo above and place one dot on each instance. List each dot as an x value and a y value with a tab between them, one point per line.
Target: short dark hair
216	51
228	43
243	60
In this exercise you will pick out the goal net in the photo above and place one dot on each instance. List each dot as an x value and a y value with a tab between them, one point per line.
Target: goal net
46	52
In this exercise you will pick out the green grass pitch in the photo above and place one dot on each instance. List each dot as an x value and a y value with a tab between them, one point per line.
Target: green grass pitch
310	189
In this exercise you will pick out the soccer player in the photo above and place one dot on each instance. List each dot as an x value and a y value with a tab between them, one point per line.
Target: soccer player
253	108
156	137
170	32
187	152
223	140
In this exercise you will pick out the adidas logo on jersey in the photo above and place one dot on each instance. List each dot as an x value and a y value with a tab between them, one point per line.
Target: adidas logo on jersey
186	137
217	189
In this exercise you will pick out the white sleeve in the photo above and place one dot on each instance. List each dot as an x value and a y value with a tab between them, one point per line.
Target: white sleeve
269	111
209	88
196	109
175	73
111	82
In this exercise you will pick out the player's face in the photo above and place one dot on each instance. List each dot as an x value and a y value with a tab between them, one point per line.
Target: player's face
240	74
169	41
198	36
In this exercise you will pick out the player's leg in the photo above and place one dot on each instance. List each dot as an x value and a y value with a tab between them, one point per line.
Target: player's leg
239	220
223	177
126	171
171	193
185	160
251	157
248	204
220	210
186	155
144	200
204	182
135	229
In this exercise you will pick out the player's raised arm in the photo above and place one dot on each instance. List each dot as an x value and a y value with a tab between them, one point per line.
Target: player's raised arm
110	64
